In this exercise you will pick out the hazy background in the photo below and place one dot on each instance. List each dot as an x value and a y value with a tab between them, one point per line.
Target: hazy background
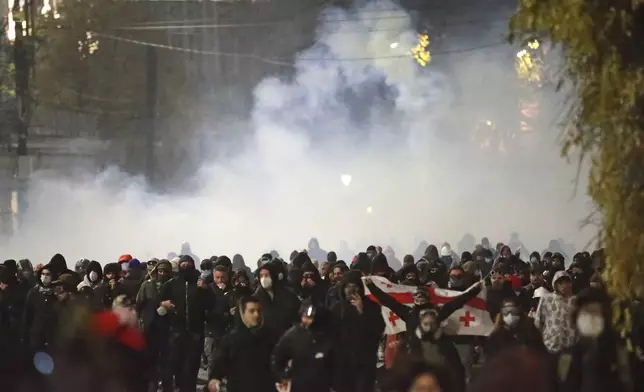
409	137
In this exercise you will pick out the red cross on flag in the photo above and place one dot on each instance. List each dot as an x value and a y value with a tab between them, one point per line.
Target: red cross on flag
472	319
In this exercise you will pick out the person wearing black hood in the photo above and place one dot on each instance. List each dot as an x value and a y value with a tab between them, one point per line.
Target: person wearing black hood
244	356
408	275
186	301
26	273
40	312
58	266
12	302
357	326
240	264
133	278
431	269
155	327
313	288
599	361
279	305
110	288
93	276
303	357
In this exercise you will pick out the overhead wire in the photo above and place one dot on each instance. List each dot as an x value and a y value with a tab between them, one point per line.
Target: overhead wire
285	63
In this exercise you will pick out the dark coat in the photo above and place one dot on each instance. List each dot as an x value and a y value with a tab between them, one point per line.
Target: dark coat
244	359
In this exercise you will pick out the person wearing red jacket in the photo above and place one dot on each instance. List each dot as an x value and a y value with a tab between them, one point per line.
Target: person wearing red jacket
124	343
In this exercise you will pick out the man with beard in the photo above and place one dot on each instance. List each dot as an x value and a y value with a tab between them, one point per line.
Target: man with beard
186	303
244	356
155	327
335	277
303	357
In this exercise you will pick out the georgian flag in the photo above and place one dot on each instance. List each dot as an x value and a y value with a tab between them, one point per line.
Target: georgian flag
472	319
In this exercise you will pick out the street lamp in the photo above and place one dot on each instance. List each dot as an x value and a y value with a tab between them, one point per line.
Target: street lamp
346	179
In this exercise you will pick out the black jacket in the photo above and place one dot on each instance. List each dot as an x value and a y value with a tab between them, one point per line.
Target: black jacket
244	359
40	318
280	312
191	304
311	353
502	339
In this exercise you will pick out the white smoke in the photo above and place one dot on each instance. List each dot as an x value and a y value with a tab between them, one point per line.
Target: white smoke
406	185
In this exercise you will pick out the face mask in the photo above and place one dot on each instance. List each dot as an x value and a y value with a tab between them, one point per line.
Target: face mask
46	280
455	281
185	272
93	276
511	320
266	282
590	325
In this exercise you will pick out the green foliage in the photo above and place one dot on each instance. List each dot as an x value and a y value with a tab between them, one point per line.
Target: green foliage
601	41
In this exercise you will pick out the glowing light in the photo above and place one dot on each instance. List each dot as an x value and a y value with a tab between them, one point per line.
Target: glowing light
11	30
534	45
521	53
488	123
393	45
346	179
369	210
46	8
421	52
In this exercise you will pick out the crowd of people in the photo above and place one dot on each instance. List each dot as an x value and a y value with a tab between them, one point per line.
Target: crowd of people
308	325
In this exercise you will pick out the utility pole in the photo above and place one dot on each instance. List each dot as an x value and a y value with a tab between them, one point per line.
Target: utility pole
151	110
22	87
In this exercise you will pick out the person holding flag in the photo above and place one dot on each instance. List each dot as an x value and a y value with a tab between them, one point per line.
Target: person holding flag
424	336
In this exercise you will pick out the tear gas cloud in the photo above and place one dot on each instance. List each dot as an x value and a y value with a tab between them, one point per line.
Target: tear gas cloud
337	156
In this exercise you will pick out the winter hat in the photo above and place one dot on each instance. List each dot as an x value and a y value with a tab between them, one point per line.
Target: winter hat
446	251
6	277
124	258
293	255
134	264
224	261
466	256
470	268
408	259
11	265
111	268
68	283
206	265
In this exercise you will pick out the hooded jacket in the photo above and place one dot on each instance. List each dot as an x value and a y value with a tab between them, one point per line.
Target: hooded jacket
279	305
310	353
244	358
317	294
93	266
240	264
554	319
356	335
40	315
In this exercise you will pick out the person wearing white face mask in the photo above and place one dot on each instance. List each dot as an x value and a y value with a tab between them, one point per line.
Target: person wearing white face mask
513	329
599	361
280	306
93	276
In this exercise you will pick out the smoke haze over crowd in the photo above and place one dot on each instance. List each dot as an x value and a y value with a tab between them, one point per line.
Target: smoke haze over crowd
378	117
